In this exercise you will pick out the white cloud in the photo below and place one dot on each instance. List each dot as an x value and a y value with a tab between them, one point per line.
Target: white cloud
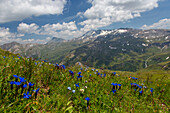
23	41
162	24
58	26
5	33
14	10
25	28
105	12
6	37
63	30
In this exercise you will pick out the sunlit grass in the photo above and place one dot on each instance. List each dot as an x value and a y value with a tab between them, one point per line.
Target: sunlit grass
54	95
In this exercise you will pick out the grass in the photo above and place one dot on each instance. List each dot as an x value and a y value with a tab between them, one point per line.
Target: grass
55	97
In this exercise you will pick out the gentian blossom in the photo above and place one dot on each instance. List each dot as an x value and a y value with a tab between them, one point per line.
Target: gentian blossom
26	95
77	85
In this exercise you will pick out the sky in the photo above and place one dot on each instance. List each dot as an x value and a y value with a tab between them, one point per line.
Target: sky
38	21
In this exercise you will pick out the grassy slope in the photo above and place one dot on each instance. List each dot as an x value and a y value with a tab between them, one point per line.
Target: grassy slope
55	97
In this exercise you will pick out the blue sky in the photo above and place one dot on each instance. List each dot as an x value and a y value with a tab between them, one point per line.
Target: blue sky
34	21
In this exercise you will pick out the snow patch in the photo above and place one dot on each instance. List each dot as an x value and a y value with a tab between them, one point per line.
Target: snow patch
112	47
144	44
123	49
122	30
166	38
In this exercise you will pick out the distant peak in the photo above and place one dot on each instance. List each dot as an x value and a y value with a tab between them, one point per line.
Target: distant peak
56	40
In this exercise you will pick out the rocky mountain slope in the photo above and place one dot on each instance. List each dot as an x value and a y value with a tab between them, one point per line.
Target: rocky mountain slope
119	49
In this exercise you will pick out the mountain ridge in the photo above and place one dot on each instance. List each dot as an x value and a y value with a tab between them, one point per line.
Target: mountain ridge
110	49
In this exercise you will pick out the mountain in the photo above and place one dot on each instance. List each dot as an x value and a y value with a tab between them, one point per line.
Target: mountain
30	49
121	49
118	49
56	40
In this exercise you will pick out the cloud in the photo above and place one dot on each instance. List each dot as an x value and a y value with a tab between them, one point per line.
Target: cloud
5	33
105	12
22	41
6	37
62	30
162	24
25	28
15	10
58	26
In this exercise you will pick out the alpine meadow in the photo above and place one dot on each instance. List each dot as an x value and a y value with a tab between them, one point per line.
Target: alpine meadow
84	56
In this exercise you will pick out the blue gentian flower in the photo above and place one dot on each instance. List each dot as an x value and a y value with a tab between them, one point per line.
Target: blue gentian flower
133	77
119	85
87	98
136	78
140	87
140	92
151	90
77	85
114	73
36	91
22	79
79	76
112	84
25	86
30	84
12	82
71	72
104	75
15	76
100	75
79	73
69	88
4	57
63	66
114	91
26	95
17	83
135	89
90	75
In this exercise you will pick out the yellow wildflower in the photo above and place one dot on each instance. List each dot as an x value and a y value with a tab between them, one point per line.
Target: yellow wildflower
82	90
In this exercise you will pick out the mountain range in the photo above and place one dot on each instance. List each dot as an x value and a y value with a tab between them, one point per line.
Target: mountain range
123	49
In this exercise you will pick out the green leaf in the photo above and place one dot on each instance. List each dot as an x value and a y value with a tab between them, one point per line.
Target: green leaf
69	103
69	109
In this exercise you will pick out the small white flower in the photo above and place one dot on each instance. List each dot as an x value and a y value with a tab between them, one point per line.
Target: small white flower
73	91
69	88
145	87
85	87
